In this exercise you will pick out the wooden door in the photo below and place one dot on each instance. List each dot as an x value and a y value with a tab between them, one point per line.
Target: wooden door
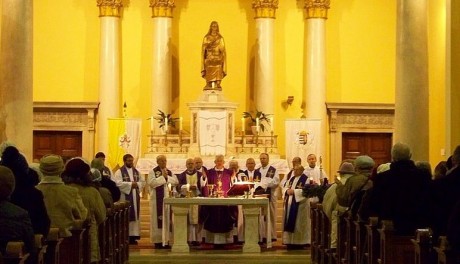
67	144
375	145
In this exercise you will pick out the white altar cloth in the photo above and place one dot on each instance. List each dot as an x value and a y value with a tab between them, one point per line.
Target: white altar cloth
177	166
251	210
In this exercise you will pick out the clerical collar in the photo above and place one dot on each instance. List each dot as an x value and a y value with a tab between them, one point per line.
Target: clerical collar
190	172
264	168
219	169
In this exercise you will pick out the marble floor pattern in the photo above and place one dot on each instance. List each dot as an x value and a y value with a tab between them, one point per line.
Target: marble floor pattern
277	254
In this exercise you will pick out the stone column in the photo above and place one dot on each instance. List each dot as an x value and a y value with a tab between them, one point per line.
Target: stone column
411	96
162	67
315	68
264	72
16	90
109	79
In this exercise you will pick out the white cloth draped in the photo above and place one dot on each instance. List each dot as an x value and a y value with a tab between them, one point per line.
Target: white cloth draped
213	132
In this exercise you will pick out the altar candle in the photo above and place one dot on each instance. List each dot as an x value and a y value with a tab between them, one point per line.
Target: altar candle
213	85
166	124
187	186
242	124
169	186
151	123
180	123
272	125
257	125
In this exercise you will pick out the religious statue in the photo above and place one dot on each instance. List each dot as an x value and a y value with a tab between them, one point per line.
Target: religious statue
213	58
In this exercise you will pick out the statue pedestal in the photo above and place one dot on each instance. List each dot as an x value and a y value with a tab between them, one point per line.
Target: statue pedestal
212	125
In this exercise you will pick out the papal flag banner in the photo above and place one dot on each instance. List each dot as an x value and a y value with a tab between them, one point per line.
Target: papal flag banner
124	138
303	137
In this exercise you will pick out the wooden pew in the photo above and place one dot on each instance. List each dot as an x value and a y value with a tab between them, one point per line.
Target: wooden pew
324	236
359	238
423	247
39	255
53	242
76	249
15	253
314	233
116	236
394	249
372	242
445	255
341	238
125	227
349	238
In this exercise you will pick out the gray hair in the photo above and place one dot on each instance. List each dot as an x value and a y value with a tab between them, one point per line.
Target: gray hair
400	151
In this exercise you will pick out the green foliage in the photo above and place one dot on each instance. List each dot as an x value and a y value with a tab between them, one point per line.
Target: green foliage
162	117
262	118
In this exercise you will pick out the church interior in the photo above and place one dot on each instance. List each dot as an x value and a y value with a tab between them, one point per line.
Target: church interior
338	79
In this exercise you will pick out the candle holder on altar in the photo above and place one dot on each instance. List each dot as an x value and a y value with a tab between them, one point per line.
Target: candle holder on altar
151	141
219	192
211	190
189	194
242	141
272	141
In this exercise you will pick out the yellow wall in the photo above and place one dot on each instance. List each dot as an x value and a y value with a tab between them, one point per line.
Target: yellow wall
360	54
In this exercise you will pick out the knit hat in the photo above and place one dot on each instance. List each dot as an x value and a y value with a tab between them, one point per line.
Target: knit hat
346	168
383	167
76	168
97	163
51	165
364	162
7	182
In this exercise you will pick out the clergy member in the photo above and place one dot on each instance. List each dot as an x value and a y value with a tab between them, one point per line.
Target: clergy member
161	181
314	172
295	210
189	181
249	172
295	161
130	182
269	179
218	221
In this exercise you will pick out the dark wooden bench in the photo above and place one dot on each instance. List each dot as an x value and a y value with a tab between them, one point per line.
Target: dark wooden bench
76	249
394	249
423	247
371	248
445	255
15	253
314	233
53	242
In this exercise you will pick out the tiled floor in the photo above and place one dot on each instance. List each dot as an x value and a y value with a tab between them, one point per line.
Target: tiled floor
277	255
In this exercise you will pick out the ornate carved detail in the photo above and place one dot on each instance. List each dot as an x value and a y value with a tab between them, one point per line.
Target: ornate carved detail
162	8
109	7
333	123
265	8
53	118
365	120
317	8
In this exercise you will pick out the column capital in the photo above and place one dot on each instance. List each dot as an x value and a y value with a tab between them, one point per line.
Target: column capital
162	8
265	8
317	8
109	7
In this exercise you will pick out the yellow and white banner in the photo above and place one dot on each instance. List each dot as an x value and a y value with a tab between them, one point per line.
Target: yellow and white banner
124	138
303	137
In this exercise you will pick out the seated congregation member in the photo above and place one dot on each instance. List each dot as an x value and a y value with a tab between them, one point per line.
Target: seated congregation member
131	182
218	221
351	192
63	203
160	180
104	192
268	178
104	169
346	171
106	179
189	180
445	194
77	172
25	195
295	210
15	223
402	193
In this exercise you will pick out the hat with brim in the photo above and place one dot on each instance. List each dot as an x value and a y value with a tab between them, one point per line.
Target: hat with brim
346	168
51	165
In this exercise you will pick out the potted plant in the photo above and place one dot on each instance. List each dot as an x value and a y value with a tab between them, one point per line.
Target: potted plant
162	117
264	119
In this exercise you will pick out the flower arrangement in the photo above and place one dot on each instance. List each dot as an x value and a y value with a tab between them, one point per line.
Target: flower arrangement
315	190
259	115
163	118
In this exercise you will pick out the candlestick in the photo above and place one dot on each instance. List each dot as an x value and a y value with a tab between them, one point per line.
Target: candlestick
257	125
151	123
165	127
187	187
242	125
272	125
169	186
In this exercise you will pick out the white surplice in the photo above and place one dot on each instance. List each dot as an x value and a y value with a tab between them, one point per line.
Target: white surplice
300	236
125	188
